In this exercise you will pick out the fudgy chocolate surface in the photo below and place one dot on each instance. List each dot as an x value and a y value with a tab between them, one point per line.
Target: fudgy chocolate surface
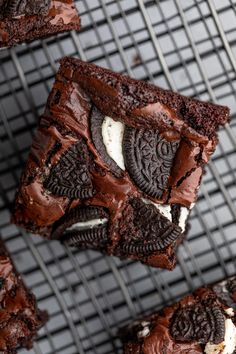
20	318
187	326
27	20
165	149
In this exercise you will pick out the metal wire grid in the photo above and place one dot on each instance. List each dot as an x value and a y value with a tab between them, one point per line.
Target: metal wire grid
187	46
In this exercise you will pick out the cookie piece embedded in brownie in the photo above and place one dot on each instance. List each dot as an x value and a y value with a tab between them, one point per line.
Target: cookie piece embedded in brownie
116	164
20	318
204	322
27	20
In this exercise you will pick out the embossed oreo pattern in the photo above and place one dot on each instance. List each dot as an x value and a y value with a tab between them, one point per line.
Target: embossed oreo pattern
90	237
153	232
200	322
70	176
14	8
148	158
96	121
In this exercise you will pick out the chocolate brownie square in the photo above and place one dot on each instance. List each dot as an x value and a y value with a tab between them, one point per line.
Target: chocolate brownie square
27	20
116	164
20	318
204	322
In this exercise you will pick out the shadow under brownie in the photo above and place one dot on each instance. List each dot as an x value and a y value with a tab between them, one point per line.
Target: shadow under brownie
27	20
20	318
116	164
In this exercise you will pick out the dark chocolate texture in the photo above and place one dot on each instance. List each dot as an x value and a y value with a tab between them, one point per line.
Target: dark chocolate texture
185	327
20	318
165	149
27	20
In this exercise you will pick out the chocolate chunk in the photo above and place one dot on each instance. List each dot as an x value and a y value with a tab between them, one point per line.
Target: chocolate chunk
96	121
149	159
70	176
14	8
199	322
175	213
149	232
84	235
231	287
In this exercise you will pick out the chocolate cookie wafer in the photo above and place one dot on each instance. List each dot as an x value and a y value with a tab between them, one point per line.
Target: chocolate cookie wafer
116	164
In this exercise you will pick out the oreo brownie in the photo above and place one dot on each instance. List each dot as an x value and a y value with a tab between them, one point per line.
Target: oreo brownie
116	164
20	318
26	20
204	322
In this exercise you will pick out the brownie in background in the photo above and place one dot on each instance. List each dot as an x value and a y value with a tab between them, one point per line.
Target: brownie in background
20	318
27	20
204	322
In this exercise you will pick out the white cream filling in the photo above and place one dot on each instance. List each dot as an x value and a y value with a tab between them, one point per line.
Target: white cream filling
84	225
165	210
145	331
184	213
112	134
228	345
230	312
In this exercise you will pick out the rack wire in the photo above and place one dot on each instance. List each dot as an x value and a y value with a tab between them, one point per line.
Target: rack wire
188	46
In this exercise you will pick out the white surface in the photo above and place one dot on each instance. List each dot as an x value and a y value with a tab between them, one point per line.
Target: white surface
112	134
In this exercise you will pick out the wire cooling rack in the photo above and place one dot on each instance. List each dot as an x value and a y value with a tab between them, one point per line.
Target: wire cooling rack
188	46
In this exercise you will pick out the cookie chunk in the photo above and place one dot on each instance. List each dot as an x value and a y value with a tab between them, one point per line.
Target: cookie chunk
116	164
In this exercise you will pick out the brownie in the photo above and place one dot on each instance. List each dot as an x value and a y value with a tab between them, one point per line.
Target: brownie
27	20
20	318
204	322
116	164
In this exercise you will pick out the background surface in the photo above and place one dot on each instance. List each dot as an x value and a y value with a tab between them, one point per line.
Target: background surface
189	46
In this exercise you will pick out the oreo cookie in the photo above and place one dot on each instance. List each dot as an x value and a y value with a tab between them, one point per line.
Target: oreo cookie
147	231
14	8
84	226
148	159
200	322
70	177
96	121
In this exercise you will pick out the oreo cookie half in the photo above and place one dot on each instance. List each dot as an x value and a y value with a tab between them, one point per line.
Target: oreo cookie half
14	8
96	122
70	176
148	231
200	322
83	226
148	159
